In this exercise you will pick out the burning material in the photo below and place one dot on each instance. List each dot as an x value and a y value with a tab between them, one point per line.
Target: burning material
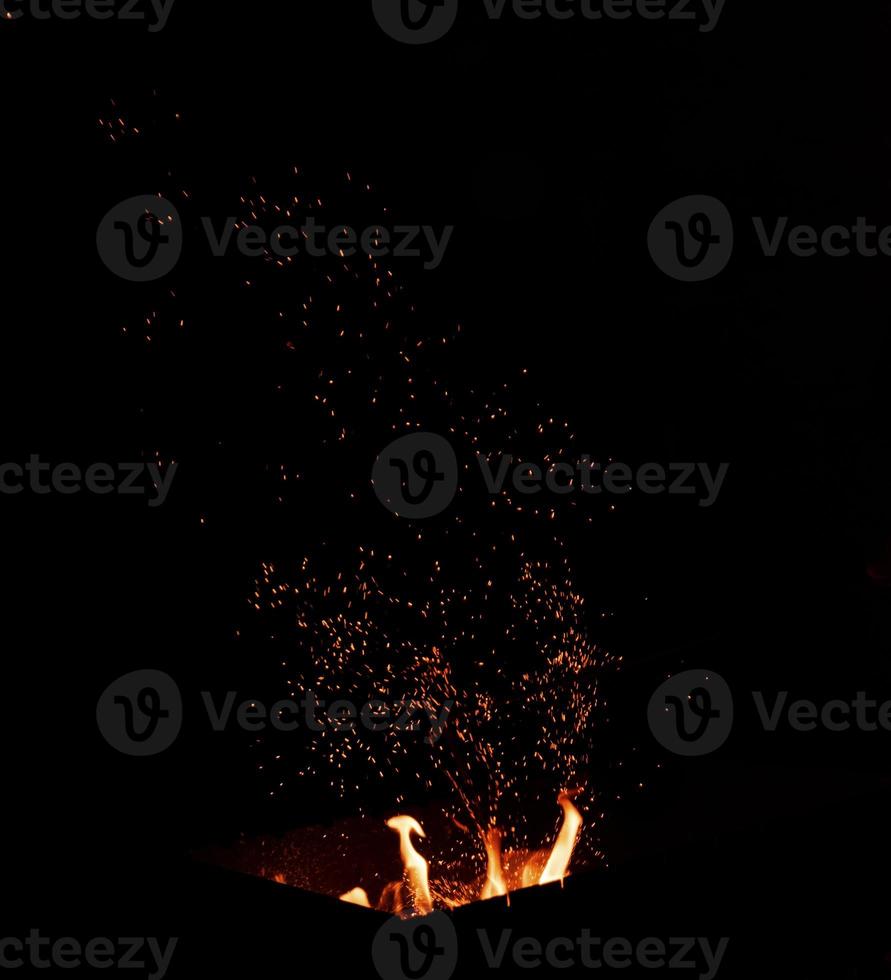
356	896
413	895
558	862
395	623
519	733
494	872
415	866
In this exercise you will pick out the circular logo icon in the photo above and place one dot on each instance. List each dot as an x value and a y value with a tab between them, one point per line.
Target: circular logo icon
692	239
141	239
691	713
415	21
416	949
416	476
140	713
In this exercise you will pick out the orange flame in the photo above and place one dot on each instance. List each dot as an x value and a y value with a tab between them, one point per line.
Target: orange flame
414	865
561	853
356	896
413	895
495	884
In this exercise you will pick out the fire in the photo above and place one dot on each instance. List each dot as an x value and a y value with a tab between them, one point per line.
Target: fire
561	854
357	896
413	895
414	865
495	884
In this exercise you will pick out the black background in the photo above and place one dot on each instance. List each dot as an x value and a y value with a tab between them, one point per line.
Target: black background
550	147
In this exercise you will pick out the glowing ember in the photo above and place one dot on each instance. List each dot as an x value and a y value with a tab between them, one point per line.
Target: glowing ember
471	624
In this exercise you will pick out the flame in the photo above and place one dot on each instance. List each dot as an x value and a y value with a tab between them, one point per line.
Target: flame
415	867
561	853
412	895
356	896
495	884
